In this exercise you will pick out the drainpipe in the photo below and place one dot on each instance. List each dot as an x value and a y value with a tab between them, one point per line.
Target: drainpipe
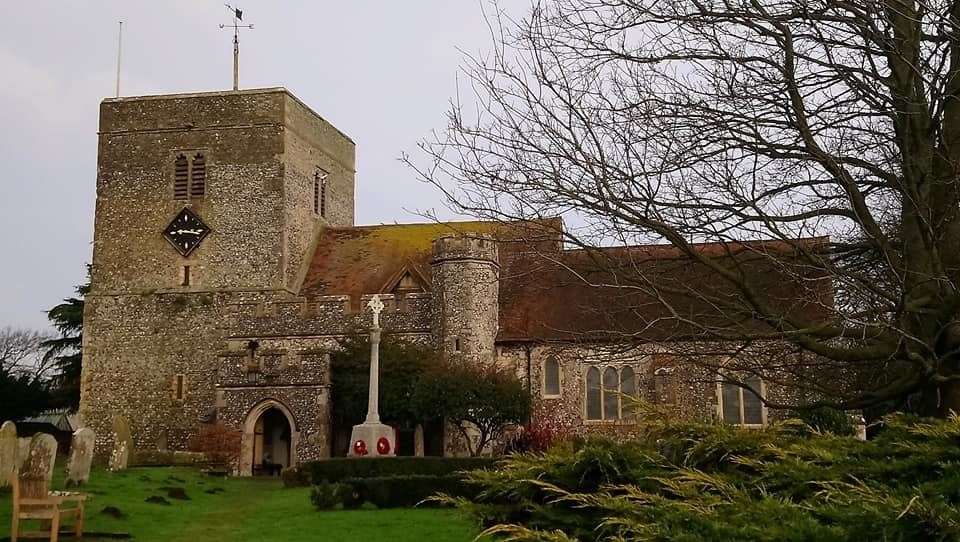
526	347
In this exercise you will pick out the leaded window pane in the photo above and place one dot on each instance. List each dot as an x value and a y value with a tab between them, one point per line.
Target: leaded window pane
730	399
628	388
752	405
611	389
594	408
551	376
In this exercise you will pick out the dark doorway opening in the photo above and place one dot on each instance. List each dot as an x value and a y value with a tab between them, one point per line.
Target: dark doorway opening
272	449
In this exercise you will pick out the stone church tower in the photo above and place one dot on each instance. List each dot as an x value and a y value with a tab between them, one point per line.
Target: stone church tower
204	201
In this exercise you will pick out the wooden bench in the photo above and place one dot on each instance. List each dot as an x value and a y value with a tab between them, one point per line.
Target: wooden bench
32	500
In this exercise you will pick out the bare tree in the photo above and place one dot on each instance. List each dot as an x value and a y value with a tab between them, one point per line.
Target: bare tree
724	121
20	354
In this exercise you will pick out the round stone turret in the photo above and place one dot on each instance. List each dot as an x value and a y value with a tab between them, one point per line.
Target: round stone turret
466	275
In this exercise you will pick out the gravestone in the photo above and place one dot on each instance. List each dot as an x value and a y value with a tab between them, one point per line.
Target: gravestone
162	441
37	470
122	443
8	452
23	449
81	455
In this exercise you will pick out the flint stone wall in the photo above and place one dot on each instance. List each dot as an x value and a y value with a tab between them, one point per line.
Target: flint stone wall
687	391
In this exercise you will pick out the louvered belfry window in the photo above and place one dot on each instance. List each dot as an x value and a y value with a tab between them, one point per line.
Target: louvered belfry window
189	177
198	176
181	177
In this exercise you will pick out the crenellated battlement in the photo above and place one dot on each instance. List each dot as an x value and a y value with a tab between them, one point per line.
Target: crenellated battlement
331	315
465	247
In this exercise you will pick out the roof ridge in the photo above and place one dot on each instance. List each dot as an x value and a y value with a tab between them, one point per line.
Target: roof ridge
747	242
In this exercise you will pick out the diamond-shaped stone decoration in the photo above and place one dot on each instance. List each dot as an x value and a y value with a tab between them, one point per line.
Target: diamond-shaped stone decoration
186	231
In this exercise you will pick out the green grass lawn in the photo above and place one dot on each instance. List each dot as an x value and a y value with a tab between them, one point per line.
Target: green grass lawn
242	509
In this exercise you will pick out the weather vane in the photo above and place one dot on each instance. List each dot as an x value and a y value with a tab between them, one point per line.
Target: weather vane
236	26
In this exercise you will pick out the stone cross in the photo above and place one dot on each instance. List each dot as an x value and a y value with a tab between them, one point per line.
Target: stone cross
122	444
376	306
37	470
81	455
373	397
8	452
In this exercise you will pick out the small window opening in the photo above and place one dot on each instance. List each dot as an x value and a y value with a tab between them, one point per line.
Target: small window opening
186	276
740	405
179	387
320	192
456	344
551	377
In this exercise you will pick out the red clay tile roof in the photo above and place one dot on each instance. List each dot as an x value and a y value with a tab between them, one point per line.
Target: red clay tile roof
543	295
365	259
603	294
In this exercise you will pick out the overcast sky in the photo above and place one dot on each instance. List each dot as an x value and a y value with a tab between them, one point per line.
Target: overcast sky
381	71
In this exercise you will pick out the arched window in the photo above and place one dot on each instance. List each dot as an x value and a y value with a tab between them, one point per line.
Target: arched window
551	377
198	176
611	397
741	406
628	390
181	177
594	404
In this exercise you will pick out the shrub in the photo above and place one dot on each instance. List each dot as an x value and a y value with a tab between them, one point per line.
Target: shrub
325	496
827	420
708	482
408	491
218	442
350	497
337	469
481	401
538	435
295	477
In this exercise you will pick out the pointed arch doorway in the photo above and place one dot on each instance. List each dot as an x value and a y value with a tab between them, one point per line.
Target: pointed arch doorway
270	439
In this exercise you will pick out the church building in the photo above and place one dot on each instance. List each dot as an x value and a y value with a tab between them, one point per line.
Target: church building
227	264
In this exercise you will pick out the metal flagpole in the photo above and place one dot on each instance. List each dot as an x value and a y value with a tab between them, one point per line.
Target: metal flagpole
236	56
119	49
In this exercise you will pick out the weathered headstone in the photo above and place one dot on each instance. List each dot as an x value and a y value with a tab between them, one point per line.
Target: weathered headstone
81	455
23	450
8	452
122	443
37	470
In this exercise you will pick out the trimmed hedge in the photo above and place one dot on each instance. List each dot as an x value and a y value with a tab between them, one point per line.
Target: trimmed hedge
408	491
389	491
340	468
